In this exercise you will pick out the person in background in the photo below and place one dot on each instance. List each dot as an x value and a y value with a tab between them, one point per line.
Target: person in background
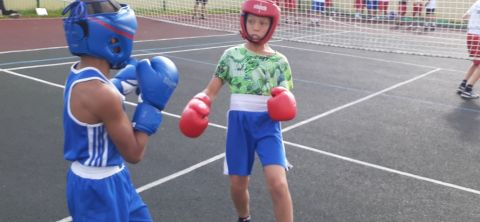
203	9
401	12
465	89
316	11
359	6
430	19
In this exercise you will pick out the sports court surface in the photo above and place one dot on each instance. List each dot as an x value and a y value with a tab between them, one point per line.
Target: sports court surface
378	137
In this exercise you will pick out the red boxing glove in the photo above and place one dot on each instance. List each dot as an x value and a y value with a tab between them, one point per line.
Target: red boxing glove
194	119
282	106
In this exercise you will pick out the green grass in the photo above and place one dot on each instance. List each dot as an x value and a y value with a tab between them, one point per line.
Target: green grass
32	14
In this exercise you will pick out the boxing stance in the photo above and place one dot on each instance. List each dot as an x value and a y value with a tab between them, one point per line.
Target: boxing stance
99	136
260	80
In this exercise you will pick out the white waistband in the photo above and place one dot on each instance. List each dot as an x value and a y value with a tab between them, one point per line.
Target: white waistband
95	173
250	103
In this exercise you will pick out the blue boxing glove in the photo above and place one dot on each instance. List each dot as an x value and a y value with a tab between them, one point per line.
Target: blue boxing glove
126	79
157	79
146	118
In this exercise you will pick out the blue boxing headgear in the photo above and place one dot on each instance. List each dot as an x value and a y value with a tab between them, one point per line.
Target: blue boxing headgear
100	28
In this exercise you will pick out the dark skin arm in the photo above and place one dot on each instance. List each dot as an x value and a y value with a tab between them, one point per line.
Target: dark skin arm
94	102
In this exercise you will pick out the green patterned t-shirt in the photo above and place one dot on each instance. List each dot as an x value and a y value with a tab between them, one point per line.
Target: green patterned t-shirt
248	73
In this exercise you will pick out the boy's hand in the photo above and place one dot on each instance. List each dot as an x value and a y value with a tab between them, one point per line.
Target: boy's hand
282	106
194	118
126	79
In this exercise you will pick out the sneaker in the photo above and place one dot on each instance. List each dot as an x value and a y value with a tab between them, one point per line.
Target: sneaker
247	219
460	89
469	95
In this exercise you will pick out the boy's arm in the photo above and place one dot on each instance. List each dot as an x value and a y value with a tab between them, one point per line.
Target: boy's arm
213	87
131	144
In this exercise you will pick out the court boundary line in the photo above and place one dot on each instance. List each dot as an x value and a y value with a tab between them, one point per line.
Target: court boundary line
219	156
283	46
139	41
169	177
357	56
339	108
136	55
52	60
382	168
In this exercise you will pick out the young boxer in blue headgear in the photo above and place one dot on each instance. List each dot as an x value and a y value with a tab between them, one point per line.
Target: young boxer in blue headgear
99	136
260	80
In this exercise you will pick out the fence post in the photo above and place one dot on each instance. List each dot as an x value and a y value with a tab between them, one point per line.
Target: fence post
38	3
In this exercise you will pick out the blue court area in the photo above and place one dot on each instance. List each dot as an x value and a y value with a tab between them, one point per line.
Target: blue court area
378	137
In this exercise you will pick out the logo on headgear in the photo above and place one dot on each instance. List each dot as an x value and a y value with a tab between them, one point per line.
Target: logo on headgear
260	7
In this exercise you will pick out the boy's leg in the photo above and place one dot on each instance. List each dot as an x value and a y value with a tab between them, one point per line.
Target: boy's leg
468	92
276	178
239	194
474	77
470	72
271	152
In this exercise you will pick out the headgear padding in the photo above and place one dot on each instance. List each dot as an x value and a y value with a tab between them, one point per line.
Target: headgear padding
100	28
264	8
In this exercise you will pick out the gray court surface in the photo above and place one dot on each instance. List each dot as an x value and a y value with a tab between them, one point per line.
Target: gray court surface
378	137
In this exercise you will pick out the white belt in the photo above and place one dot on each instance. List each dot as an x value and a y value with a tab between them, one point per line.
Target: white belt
249	103
95	173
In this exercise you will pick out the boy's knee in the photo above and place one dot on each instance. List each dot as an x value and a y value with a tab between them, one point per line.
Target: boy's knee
238	184
278	186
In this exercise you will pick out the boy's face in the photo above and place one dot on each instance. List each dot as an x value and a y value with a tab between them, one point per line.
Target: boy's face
257	26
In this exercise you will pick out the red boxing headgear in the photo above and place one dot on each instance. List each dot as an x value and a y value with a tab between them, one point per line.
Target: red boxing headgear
264	8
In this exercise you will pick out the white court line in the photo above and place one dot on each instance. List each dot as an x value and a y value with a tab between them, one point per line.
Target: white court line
203	163
180	173
356	56
168	178
390	170
311	119
137	55
139	41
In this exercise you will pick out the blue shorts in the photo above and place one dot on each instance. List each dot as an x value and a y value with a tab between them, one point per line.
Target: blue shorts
318	6
249	132
112	198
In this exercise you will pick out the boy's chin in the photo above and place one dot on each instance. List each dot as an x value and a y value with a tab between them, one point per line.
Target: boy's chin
255	38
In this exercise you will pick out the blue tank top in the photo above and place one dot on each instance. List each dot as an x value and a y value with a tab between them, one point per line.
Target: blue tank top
86	143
